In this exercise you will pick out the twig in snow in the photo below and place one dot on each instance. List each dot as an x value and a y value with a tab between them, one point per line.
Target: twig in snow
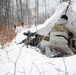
66	72
17	60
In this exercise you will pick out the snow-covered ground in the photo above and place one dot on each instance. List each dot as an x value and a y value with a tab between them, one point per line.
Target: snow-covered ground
17	59
20	60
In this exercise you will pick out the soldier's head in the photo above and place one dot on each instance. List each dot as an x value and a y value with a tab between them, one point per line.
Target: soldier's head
64	17
70	35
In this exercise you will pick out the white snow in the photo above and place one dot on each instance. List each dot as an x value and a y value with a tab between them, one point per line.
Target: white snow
17	59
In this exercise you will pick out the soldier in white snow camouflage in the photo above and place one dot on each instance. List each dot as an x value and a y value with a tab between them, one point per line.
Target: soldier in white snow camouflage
59	36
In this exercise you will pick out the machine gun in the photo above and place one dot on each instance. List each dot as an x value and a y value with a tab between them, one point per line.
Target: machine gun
32	39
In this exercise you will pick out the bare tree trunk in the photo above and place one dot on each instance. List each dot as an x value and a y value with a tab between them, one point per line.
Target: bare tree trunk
21	11
27	11
17	5
7	12
45	9
42	11
37	11
12	12
1	12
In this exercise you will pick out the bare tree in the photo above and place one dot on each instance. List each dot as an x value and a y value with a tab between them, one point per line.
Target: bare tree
21	11
17	6
5	11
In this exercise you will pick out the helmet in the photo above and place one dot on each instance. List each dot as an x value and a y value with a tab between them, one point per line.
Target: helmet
65	17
